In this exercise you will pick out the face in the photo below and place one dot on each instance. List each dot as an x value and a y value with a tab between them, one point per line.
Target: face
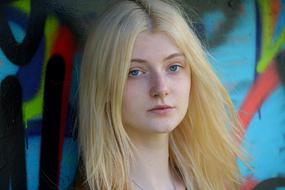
157	90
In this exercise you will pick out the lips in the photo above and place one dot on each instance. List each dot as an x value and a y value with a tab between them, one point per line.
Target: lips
161	109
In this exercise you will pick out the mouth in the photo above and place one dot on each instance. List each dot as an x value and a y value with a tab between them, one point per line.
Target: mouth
161	109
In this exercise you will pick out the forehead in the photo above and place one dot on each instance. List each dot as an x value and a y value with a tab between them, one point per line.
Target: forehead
154	45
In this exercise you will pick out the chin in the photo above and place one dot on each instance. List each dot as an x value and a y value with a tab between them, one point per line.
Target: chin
163	128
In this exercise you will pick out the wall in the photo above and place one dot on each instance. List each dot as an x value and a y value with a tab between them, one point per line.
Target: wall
246	41
40	50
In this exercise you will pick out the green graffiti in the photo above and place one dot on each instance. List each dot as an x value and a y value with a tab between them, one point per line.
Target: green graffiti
271	53
32	109
24	5
269	49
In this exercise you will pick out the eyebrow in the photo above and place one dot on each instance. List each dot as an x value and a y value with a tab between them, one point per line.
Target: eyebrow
165	59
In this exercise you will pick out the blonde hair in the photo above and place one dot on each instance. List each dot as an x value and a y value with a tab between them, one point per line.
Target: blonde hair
203	148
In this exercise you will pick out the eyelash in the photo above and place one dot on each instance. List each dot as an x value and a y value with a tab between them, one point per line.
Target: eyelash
138	72
177	66
131	72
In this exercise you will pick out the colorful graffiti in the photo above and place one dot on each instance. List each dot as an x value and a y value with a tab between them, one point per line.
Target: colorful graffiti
40	49
269	74
37	61
251	61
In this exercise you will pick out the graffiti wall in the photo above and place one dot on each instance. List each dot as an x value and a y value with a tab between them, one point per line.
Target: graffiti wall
246	42
40	50
37	68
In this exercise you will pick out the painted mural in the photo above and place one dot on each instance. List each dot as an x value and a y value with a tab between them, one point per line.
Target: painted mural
37	60
40	50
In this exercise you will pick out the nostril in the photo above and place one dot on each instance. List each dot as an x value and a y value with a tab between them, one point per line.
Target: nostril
159	86
159	91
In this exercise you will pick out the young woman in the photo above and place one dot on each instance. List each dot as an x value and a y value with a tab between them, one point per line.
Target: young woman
152	113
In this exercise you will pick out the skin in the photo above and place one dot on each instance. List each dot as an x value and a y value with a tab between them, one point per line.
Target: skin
155	102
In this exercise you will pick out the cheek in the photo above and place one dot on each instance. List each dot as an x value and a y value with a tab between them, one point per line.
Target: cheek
184	100
131	97
184	84
129	93
185	96
134	90
184	92
132	106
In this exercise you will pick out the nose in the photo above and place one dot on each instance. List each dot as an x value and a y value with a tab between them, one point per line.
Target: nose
159	87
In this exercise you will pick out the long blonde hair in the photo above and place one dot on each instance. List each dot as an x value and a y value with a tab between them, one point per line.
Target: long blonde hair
203	148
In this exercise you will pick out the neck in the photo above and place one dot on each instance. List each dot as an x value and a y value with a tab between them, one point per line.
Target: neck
151	170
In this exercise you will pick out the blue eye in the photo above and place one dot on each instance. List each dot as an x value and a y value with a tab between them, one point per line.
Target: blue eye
174	68
135	73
